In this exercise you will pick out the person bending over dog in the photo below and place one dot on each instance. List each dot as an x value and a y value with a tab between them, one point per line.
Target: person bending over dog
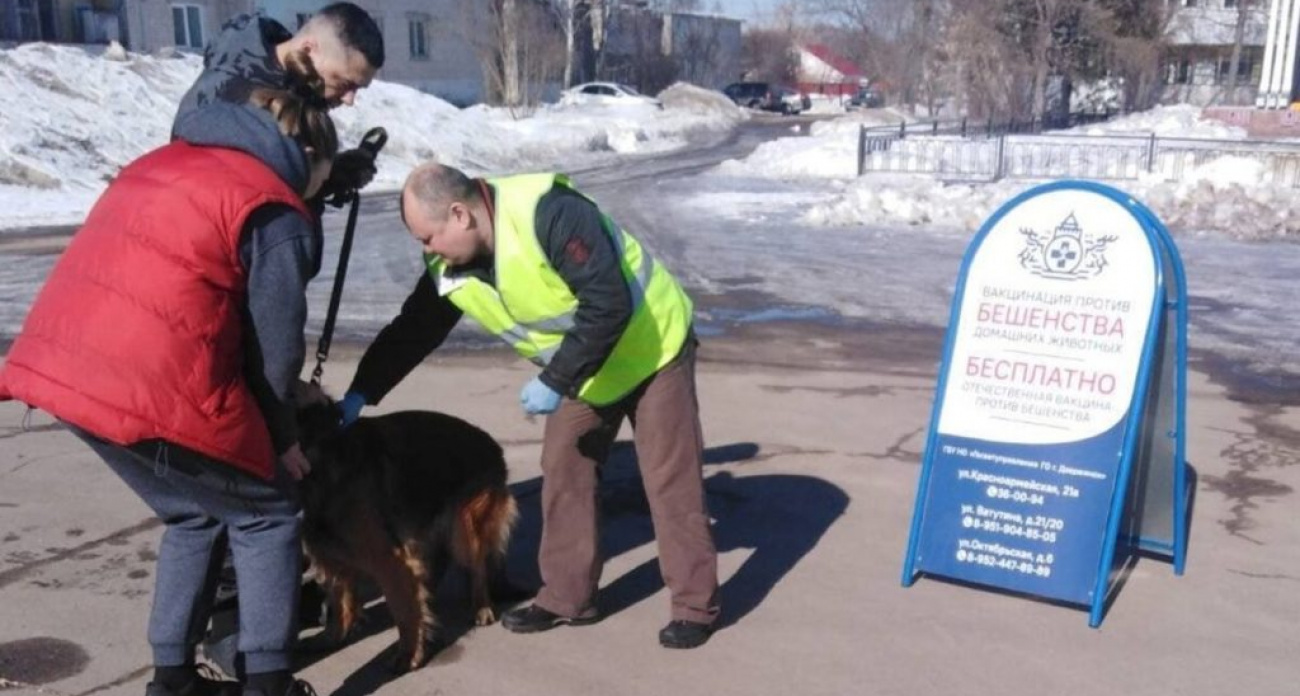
346	46
152	340
539	265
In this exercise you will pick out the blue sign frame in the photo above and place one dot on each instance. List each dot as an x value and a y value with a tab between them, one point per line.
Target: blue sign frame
1148	440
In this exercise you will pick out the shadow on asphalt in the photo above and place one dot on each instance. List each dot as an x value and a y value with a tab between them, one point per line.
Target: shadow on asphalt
780	517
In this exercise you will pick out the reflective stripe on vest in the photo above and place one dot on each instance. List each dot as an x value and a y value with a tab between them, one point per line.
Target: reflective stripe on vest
532	308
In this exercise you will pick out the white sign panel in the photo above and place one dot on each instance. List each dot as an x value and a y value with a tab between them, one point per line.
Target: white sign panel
1053	320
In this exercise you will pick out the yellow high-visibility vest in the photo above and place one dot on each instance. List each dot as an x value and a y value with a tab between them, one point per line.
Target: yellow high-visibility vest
531	308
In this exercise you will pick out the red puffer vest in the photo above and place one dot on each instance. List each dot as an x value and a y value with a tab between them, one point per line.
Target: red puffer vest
137	332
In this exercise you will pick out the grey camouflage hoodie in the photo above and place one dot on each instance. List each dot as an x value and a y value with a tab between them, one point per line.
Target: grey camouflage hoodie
240	59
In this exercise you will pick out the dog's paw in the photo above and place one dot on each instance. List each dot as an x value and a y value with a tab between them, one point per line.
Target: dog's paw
485	617
400	663
408	661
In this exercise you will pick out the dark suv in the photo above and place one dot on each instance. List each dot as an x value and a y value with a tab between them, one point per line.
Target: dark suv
766	96
867	98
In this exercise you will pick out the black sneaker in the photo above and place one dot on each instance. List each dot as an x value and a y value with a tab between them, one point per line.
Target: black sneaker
533	619
685	634
199	686
297	688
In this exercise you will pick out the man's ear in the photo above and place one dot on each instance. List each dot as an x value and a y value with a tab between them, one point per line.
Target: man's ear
459	212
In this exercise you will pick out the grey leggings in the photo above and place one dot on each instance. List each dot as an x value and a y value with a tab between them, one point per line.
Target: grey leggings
201	501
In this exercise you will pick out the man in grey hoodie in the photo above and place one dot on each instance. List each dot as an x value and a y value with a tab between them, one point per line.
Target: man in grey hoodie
344	44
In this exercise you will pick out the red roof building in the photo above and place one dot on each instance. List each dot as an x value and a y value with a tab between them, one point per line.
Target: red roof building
824	71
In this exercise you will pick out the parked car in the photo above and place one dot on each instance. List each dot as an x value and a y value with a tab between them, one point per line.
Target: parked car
608	94
866	98
767	96
793	101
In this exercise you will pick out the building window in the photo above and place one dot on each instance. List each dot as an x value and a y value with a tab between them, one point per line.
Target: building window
187	25
29	21
1245	68
302	18
419	38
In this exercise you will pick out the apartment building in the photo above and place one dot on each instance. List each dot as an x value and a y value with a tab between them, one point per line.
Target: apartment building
1202	36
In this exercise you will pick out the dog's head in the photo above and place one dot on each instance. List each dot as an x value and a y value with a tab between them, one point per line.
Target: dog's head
318	416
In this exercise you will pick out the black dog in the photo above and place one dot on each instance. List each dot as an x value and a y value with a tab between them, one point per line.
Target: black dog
397	498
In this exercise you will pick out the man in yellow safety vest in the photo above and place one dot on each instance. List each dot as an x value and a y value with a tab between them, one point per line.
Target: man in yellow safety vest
540	266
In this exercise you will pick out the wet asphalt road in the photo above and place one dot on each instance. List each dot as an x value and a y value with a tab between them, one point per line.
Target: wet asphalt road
881	295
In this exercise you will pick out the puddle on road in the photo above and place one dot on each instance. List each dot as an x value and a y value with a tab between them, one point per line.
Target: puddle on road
41	660
718	318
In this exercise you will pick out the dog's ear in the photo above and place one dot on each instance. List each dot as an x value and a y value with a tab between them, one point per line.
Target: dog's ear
317	422
309	394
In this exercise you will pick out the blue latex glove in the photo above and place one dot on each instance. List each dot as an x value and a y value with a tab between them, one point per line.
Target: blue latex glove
351	408
537	398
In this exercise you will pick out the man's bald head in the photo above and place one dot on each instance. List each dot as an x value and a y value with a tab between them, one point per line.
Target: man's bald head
434	187
447	214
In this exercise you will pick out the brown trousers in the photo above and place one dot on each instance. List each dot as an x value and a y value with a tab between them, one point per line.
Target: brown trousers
665	417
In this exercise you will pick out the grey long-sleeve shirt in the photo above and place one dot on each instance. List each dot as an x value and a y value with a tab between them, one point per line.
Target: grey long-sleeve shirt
280	250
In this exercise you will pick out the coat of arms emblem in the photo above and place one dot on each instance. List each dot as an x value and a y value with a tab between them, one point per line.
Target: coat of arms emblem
1068	254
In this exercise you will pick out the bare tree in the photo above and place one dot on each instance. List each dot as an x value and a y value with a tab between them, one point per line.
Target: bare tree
987	74
518	43
568	12
1050	34
1001	58
1137	47
896	41
768	55
1247	11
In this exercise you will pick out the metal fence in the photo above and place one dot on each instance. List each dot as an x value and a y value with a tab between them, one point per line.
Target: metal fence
976	128
1057	155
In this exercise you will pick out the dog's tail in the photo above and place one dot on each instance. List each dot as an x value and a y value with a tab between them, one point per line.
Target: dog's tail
483	525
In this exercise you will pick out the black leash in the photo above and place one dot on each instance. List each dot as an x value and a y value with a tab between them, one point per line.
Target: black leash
373	142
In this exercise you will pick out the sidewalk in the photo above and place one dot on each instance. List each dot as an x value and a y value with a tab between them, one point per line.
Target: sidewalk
811	477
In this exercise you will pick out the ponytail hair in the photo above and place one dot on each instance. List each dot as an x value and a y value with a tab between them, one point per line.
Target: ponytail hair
300	108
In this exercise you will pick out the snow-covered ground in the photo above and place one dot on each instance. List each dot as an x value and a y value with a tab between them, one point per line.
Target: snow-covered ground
1232	195
76	116
73	117
789	224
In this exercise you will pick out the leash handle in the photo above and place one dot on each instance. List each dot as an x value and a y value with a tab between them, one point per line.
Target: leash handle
373	141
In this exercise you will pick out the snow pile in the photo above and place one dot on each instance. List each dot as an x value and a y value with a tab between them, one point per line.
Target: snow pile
1216	201
77	115
823	104
1175	121
891	199
687	98
830	152
73	119
1235	194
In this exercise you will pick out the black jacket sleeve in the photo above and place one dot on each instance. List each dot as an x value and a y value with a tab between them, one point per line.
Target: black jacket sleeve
571	232
280	252
423	324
